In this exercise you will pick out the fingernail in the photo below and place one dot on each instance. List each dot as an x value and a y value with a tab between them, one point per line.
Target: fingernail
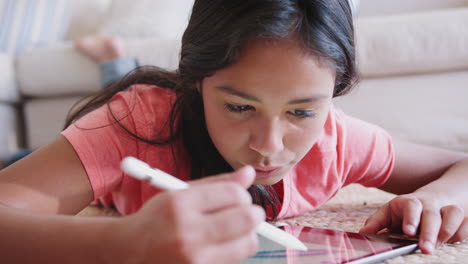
429	246
411	229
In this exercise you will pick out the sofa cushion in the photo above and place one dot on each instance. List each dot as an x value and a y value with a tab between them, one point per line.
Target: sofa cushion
56	70
29	24
69	72
413	43
8	91
429	109
163	53
385	7
147	18
86	17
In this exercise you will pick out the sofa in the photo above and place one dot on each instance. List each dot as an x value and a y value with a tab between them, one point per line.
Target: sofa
27	30
38	86
413	58
9	98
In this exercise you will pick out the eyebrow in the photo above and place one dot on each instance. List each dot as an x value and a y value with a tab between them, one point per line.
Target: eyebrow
231	90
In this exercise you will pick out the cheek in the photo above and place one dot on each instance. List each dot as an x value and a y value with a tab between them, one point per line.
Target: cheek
302	139
225	134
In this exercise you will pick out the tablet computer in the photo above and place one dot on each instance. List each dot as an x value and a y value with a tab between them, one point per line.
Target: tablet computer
327	246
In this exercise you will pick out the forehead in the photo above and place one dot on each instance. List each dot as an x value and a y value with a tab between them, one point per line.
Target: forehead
276	65
285	50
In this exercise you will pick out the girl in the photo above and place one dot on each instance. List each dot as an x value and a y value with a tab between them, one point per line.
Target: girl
251	102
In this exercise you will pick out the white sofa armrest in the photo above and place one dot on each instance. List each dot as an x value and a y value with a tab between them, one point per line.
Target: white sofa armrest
56	70
62	70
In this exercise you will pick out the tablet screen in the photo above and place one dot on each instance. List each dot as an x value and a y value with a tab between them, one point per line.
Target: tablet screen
327	246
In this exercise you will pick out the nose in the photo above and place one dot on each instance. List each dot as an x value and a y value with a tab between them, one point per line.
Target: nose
266	137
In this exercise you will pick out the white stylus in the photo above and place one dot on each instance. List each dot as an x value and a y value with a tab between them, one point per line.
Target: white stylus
142	171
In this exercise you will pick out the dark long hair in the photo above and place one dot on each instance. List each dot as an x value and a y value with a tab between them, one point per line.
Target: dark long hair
217	31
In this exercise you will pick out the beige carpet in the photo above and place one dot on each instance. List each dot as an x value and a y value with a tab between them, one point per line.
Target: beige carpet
347	212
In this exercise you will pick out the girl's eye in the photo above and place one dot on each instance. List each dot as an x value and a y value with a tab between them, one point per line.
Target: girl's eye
238	108
302	113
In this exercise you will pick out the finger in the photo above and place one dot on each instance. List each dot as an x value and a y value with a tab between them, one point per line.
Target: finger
452	219
430	225
462	232
212	197
243	176
232	251
411	216
232	223
377	221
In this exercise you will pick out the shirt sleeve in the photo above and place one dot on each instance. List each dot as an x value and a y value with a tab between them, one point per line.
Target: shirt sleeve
366	151
101	143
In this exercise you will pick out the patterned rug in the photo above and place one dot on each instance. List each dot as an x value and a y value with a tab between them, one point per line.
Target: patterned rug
353	205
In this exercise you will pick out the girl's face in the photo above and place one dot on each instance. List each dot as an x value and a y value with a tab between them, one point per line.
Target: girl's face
268	109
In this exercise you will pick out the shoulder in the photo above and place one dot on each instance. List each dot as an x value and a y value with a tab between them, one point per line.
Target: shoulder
146	95
142	108
360	135
351	149
342	129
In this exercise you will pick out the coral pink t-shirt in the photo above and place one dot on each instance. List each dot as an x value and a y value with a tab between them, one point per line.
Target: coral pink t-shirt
347	151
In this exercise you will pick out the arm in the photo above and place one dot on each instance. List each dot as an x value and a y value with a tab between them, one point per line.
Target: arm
418	165
435	200
48	182
43	238
205	223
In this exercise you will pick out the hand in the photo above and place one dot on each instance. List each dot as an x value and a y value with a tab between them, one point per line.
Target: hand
438	221
212	221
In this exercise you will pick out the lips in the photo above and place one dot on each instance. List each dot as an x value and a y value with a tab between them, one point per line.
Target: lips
266	169
264	173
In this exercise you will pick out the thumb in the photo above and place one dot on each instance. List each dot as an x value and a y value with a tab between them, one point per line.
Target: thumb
243	176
